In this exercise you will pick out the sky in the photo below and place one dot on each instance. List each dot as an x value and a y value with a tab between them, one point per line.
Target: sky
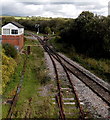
53	8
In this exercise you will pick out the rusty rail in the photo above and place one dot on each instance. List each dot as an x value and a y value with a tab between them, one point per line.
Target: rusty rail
15	98
60	101
50	53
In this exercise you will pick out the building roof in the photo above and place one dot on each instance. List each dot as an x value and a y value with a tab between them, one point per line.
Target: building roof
17	24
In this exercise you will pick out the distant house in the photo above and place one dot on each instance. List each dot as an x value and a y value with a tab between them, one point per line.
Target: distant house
13	33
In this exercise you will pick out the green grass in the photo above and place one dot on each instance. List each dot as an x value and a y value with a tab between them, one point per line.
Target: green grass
12	86
35	77
100	67
30	42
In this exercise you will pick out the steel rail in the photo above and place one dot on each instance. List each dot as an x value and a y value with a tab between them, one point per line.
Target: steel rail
105	95
62	115
72	86
67	74
95	86
59	96
15	98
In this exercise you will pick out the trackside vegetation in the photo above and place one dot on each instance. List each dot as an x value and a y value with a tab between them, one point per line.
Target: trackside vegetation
99	66
30	103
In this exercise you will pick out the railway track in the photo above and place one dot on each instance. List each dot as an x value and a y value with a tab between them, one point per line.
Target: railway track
60	97
81	115
95	85
101	90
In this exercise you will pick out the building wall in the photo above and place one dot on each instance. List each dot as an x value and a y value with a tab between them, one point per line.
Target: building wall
21	41
17	40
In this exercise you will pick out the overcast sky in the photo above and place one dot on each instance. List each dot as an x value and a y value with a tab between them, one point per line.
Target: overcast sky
53	8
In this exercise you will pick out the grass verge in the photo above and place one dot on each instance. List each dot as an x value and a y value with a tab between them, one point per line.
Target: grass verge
30	104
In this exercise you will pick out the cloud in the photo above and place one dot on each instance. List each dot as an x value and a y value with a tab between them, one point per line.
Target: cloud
109	8
53	8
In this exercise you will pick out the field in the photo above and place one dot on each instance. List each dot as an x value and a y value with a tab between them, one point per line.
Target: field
27	17
19	17
16	17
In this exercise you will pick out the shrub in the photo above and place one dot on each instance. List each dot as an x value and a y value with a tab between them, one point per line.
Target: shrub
10	50
8	68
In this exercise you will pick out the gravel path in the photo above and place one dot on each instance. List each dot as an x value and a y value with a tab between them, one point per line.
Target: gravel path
92	102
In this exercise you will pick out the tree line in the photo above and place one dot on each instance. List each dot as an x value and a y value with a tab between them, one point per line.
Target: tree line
88	34
46	25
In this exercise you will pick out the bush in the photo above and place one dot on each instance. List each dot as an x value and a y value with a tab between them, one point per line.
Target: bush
8	68
10	50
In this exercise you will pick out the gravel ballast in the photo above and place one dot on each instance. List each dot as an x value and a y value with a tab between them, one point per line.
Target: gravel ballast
95	105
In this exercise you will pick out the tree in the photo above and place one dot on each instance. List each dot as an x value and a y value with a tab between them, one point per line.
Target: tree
89	34
6	20
47	30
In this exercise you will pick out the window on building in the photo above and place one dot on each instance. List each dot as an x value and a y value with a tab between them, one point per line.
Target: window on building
6	31
14	31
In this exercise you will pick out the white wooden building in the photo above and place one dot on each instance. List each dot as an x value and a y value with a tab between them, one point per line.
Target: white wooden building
12	28
13	33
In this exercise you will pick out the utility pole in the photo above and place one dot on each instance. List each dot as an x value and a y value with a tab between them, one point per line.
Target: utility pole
37	27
